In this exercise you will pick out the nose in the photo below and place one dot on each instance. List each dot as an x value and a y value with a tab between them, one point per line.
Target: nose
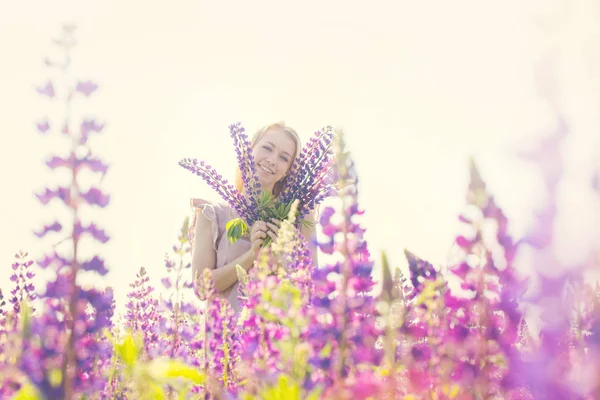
271	159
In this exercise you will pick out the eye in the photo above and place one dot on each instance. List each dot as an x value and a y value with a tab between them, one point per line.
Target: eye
267	148
284	158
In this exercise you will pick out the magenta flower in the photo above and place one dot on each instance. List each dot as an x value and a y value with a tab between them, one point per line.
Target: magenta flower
345	321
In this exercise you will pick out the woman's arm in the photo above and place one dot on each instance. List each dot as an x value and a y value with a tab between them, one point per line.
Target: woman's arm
205	257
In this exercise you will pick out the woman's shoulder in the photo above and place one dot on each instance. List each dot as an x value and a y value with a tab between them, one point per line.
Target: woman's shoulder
219	208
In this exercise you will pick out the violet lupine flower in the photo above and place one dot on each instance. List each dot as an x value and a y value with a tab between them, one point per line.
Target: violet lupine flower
75	163
177	329
142	312
54	227
88	126
86	88
95	197
47	90
311	178
345	321
486	326
222	344
23	290
65	339
95	232
245	160
227	191
546	371
43	126
2	321
420	271
61	193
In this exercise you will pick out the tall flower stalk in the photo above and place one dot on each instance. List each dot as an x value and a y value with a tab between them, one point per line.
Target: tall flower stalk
70	370
343	330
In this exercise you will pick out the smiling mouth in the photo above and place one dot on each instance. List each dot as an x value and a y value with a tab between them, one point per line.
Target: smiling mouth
267	170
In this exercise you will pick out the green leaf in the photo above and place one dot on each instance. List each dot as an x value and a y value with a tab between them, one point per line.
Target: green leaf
388	282
164	370
242	274
286	389
127	350
307	223
27	392
236	228
55	377
184	230
25	317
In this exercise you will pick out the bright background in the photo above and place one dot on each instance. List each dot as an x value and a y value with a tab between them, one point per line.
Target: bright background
418	87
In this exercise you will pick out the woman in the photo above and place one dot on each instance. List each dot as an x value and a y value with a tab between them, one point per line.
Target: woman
274	148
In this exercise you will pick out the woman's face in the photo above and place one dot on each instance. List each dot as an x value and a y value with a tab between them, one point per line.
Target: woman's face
273	156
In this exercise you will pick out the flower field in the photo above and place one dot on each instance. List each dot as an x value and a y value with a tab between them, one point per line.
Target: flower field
458	331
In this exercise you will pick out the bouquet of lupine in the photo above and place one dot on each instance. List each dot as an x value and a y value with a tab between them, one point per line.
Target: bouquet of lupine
310	181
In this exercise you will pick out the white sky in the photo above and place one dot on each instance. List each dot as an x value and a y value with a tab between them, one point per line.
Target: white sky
417	86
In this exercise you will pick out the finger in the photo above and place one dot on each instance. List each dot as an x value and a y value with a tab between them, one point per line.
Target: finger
278	222
272	234
258	235
273	227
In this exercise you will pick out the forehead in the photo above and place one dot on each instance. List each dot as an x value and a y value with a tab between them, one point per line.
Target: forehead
281	139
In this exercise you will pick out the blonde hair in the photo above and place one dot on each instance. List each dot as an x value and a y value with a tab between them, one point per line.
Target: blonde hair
279	185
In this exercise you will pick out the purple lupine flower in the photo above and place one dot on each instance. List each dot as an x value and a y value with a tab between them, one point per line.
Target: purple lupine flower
177	330
312	176
546	371
475	330
43	126
420	270
62	193
142	307
54	227
245	159
95	232
346	322
23	290
47	90
95	264
67	336
86	88
88	126
227	191
2	323
95	196
75	163
221	343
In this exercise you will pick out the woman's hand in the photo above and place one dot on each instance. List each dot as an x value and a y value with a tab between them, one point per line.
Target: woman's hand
257	237
273	228
259	232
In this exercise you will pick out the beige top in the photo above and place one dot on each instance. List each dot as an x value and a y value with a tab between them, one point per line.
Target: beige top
219	214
